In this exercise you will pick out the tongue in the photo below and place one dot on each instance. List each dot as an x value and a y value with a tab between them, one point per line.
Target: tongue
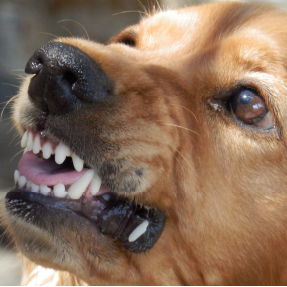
47	172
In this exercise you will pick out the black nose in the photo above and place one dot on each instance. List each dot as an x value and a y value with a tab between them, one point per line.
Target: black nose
64	78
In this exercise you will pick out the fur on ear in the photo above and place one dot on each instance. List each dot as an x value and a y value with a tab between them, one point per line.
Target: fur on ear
36	275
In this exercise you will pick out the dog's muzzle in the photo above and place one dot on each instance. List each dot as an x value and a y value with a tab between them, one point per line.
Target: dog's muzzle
54	176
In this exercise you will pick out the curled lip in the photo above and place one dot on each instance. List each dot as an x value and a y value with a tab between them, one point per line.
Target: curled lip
51	184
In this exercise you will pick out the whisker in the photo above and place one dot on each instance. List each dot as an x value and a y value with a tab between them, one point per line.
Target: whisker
11	85
67	30
7	103
187	110
20	77
130	11
49	34
184	158
22	150
173	125
88	37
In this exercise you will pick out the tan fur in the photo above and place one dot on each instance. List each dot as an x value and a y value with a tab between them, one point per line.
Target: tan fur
222	187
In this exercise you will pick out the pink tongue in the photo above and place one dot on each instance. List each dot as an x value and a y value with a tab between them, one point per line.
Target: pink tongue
47	172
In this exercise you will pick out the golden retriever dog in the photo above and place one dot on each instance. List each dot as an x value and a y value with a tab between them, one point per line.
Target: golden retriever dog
160	158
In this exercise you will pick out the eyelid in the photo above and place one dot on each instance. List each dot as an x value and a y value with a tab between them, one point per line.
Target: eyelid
126	34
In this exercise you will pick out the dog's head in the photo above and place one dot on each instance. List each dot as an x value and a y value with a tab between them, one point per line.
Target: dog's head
161	157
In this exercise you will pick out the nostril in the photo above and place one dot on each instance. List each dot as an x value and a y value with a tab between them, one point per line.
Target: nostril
70	78
64	77
34	66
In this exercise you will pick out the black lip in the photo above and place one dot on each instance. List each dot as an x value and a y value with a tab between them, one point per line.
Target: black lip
114	216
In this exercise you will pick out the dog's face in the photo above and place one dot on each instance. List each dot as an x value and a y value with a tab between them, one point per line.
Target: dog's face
177	134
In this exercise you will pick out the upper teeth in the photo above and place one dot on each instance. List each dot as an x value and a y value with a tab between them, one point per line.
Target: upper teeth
61	151
32	142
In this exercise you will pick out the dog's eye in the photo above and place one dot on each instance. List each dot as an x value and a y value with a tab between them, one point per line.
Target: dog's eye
128	41
248	107
128	38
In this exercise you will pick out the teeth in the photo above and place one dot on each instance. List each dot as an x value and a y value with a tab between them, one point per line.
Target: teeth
44	189
47	150
36	144
24	140
77	189
33	143
28	184
16	176
22	181
95	184
106	196
78	163
29	142
139	231
35	187
60	153
59	190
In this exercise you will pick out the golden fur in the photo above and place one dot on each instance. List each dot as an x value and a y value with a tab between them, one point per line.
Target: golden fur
221	184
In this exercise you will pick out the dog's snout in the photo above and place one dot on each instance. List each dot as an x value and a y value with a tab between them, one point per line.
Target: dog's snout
65	76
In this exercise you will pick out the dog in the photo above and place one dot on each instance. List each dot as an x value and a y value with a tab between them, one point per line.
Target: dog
159	158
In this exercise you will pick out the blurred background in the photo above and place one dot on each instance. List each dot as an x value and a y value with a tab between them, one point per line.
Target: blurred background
24	27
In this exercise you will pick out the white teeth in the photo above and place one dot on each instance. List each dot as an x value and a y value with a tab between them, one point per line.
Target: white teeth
47	150
139	231
77	189
29	142
78	163
44	189
36	144
24	140
22	181
60	153
33	143
95	184
106	196
59	190
28	184
16	176
35	187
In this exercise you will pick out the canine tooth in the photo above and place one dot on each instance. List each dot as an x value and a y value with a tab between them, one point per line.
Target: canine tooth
106	197
61	152
35	187
78	163
139	231
76	190
16	176
47	150
44	189
59	190
30	142
36	145
24	139
22	181
28	185
95	184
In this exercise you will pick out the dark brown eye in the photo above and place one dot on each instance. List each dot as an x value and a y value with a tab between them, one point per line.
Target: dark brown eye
251	109
128	41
